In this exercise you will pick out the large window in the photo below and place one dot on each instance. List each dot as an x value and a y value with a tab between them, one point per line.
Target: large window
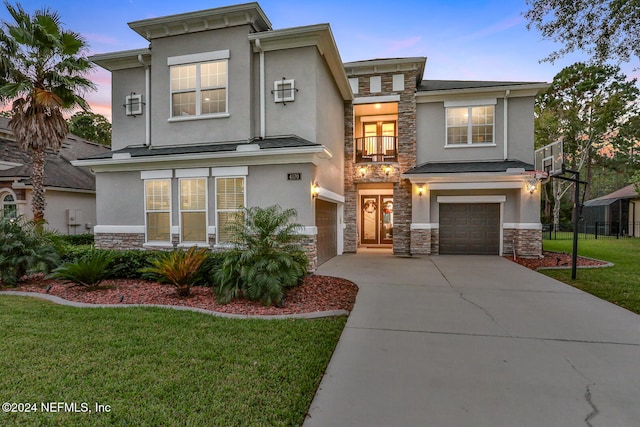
470	125
199	89
193	209
230	199
8	208
158	209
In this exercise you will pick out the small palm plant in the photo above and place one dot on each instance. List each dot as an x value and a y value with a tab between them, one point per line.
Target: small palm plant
266	259
88	270
179	268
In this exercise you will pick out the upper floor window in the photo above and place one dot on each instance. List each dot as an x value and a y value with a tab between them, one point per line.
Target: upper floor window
199	89
470	125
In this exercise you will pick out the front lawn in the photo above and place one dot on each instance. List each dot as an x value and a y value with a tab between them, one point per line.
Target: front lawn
155	366
619	284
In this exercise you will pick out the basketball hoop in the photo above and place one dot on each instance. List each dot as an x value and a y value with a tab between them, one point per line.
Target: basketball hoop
531	179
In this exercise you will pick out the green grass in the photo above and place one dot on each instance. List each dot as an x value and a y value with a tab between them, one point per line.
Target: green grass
619	284
158	366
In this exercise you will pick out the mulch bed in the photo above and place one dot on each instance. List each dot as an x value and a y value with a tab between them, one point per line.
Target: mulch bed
316	293
557	260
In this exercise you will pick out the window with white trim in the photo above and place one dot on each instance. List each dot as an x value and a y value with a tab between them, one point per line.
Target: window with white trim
199	89
470	125
157	196
8	207
193	209
230	201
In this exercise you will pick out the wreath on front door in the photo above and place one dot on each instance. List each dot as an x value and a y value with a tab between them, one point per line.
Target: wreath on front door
370	206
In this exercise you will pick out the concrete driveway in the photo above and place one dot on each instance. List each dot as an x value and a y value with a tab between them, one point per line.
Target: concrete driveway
476	341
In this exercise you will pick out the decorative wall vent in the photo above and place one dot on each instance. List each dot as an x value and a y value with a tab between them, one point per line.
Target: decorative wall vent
133	104
284	91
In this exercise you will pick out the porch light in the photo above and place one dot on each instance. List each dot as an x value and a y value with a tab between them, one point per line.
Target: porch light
363	171
531	182
315	190
387	170
420	190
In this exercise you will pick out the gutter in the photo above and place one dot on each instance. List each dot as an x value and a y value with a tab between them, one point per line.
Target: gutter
506	124
263	113
147	105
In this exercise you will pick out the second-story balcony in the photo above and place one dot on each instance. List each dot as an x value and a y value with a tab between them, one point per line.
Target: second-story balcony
370	149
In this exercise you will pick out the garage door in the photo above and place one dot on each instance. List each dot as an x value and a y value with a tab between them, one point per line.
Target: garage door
327	223
470	228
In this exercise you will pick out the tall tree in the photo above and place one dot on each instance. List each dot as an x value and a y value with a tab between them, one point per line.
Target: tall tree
91	126
589	107
42	73
604	29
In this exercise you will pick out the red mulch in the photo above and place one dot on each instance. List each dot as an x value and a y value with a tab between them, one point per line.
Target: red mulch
557	259
316	293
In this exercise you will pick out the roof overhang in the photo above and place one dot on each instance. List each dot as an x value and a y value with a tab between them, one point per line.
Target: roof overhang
467	181
320	36
203	20
515	91
270	156
122	60
391	65
8	165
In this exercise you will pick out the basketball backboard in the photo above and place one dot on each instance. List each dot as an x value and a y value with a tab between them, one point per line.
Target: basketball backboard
550	158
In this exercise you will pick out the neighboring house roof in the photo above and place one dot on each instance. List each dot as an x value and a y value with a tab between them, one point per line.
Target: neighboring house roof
469	167
628	192
253	145
59	172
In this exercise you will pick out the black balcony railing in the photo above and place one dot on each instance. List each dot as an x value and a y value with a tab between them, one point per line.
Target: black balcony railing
377	149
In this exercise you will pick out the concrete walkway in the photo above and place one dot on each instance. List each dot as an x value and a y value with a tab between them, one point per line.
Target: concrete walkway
476	341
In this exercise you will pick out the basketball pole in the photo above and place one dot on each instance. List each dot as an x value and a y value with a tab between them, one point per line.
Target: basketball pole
576	211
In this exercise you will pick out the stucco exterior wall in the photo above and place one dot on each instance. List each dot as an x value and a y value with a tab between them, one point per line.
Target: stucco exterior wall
521	127
59	202
127	130
236	127
121	200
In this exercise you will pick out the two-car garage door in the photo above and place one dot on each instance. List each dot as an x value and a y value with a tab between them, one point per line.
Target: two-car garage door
470	228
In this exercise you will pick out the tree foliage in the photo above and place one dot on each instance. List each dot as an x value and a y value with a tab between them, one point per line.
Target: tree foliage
594	110
604	29
42	74
92	127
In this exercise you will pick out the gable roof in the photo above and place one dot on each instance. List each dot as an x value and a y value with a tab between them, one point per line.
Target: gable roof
59	172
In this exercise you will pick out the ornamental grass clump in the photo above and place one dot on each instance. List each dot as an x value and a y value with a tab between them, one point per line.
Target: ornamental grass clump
179	268
267	256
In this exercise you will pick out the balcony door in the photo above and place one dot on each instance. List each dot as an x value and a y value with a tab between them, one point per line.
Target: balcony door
376	225
379	140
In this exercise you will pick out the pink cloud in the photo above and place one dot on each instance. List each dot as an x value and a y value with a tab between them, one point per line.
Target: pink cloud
498	27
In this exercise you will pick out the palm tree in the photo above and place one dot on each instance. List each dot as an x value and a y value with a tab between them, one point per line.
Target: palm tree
42	69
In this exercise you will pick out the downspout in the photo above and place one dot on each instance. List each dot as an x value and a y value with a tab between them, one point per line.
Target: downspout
506	124
147	104
263	114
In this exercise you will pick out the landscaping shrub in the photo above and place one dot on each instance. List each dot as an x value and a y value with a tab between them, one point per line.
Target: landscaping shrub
132	262
267	256
206	273
89	270
179	268
77	239
24	247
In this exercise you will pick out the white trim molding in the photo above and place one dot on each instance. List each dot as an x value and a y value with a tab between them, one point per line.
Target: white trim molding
192	173
424	226
198	57
211	230
230	171
523	225
308	230
156	174
119	229
376	99
470	102
472	199
489	185
330	196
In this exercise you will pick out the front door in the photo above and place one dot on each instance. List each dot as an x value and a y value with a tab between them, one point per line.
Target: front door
376	225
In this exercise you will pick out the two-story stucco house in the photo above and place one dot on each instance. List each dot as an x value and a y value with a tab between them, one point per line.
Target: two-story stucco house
223	112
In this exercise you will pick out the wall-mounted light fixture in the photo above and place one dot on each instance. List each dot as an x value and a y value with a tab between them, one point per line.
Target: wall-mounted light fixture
315	190
420	190
387	170
531	183
363	171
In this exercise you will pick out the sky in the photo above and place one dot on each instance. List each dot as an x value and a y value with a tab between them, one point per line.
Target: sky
462	39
